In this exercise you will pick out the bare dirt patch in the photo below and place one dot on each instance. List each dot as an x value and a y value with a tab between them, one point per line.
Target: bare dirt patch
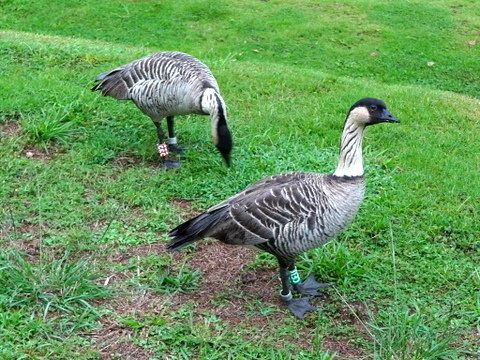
30	247
229	289
356	314
140	251
226	286
114	341
9	124
24	236
35	153
10	129
343	349
129	159
126	159
185	206
138	305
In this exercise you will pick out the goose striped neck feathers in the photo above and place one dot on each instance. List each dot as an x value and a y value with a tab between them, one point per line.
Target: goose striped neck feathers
213	104
368	111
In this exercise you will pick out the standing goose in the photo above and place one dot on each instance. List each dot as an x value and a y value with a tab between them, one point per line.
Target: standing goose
289	214
166	84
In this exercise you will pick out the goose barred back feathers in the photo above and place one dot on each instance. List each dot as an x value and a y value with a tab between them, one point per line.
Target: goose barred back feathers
285	214
163	84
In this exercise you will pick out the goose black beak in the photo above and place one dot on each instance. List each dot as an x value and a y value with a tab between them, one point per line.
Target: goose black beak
226	157
387	117
225	143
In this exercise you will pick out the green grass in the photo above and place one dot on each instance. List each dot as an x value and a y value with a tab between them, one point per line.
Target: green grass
288	70
157	274
400	334
52	125
52	285
25	337
183	338
44	305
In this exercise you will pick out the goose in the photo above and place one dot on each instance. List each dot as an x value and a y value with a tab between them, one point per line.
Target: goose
288	214
167	84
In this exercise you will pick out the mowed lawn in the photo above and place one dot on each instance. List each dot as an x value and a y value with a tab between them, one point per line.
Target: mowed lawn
84	207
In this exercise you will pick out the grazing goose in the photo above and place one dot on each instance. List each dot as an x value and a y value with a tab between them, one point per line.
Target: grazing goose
288	214
168	84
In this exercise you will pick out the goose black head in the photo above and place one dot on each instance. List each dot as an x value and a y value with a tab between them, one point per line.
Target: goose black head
370	111
212	103
224	142
220	131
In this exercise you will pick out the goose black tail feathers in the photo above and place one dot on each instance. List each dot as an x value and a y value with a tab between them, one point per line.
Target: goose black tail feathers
194	229
111	83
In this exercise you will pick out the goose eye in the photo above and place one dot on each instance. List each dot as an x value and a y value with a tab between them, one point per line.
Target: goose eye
373	107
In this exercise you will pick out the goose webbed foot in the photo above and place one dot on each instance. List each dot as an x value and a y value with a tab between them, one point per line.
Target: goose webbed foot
310	287
175	148
300	306
169	164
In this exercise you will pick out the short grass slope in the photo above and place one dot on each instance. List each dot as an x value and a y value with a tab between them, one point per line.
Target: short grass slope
84	208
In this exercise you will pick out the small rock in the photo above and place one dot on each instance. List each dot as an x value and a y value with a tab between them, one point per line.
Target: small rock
472	42
29	154
430	63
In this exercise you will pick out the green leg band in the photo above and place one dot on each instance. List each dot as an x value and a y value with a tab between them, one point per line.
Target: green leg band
294	276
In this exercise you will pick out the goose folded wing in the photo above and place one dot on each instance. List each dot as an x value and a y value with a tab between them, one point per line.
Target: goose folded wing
266	213
262	186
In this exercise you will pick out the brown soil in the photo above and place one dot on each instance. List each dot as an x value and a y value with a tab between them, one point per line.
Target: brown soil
185	206
126	160
113	341
32	152
355	314
10	128
227	289
28	239
30	247
343	349
223	271
141	251
225	276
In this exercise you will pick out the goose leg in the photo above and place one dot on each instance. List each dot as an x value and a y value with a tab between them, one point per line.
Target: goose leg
286	294
168	163
309	287
172	139
298	306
